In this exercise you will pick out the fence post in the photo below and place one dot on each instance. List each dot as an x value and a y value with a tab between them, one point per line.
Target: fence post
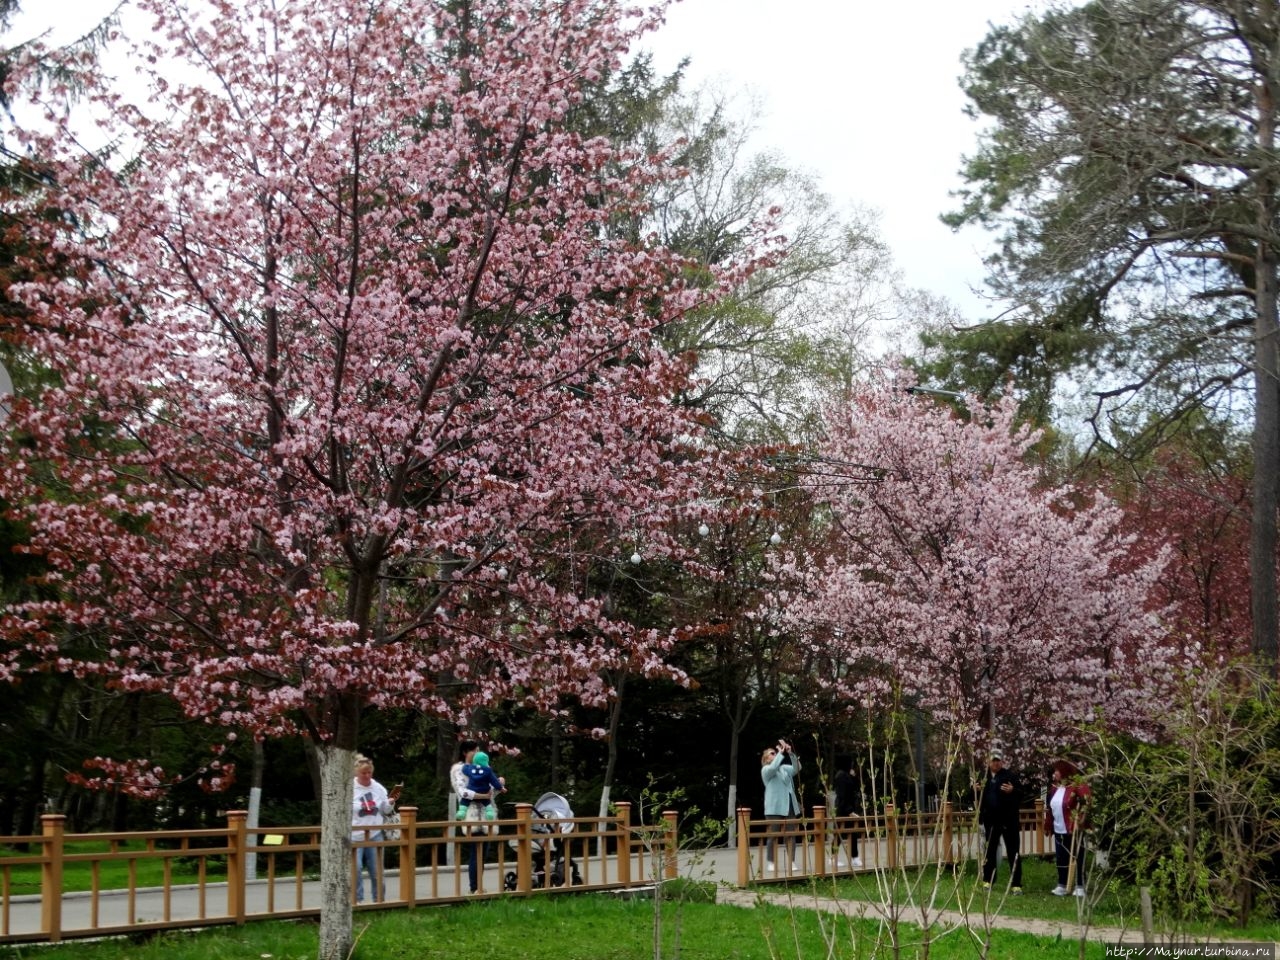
409	855
237	837
53	828
623	821
524	847
948	851
1038	827
891	829
820	827
744	846
671	868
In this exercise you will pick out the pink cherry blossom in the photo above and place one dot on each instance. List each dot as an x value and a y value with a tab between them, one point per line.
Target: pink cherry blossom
1008	608
353	375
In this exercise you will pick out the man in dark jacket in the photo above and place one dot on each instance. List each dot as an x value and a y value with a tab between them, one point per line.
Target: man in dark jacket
847	805
998	814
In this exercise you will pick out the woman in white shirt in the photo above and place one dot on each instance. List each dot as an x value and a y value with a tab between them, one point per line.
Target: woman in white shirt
370	804
1064	817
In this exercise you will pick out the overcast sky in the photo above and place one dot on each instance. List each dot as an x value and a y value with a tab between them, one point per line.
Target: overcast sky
864	94
861	93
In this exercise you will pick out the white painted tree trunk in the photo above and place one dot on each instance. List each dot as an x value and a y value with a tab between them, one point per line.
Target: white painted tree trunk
251	858
604	812
604	801
336	771
733	814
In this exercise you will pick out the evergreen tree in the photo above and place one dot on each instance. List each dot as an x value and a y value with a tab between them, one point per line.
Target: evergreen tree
1131	169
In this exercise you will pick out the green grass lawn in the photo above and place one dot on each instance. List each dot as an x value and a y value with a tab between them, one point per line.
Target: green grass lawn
586	927
112	874
1111	901
601	927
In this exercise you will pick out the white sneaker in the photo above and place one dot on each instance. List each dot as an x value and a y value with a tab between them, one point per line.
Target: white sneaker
768	865
1059	891
857	863
1079	891
839	863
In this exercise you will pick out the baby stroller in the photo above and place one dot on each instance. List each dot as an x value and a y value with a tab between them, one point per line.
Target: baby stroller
551	866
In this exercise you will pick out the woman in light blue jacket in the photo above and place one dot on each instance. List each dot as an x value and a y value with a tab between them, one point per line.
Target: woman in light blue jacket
779	767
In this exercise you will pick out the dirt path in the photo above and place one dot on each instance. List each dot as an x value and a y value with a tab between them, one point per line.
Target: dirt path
945	921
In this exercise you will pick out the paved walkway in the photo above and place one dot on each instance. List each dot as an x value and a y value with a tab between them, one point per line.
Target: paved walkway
721	866
944	921
717	865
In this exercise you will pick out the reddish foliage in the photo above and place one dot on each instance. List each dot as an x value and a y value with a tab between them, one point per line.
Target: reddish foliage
1200	514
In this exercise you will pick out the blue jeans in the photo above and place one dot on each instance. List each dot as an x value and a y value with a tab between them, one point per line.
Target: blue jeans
369	859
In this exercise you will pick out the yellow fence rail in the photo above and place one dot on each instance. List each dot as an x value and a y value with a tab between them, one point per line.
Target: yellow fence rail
60	885
102	884
820	845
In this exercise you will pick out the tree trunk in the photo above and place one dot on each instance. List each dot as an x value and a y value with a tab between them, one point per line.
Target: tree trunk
120	800
446	753
336	758
611	764
313	770
735	746
255	807
557	741
33	800
738	718
1266	470
1266	424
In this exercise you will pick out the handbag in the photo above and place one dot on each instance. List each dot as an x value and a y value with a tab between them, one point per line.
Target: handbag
389	824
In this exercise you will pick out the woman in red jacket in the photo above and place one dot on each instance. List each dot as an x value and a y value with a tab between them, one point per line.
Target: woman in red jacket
1064	817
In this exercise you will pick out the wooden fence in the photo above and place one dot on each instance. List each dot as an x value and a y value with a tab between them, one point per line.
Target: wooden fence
198	877
230	875
820	845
